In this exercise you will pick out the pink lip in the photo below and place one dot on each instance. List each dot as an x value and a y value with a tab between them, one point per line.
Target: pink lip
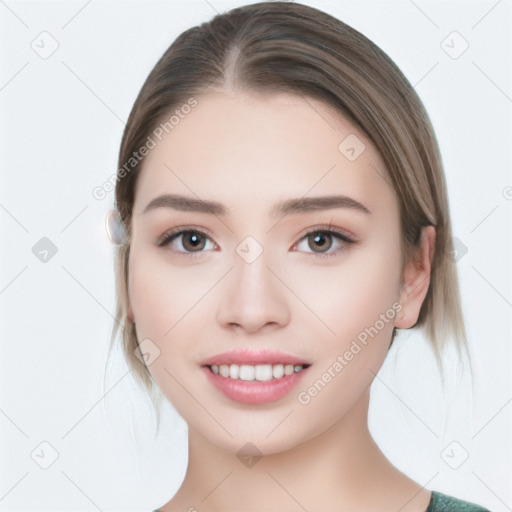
254	392
254	357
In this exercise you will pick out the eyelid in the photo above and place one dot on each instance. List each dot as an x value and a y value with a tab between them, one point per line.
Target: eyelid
329	228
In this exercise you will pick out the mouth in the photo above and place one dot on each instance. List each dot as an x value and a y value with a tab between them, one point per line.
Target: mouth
256	373
254	377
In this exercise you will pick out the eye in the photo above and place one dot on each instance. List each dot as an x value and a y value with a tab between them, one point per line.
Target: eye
324	239
191	240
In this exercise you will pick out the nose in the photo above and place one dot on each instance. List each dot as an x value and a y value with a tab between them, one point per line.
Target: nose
253	298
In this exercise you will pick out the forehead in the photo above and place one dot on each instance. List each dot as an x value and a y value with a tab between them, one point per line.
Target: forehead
245	148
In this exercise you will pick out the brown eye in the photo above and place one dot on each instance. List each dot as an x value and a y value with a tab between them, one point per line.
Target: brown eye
185	241
193	240
320	239
324	243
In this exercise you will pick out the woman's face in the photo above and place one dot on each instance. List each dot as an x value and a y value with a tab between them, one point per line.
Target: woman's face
248	279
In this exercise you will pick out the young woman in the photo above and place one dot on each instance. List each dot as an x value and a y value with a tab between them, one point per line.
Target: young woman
285	212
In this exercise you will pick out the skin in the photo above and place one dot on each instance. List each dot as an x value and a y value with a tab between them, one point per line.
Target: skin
250	151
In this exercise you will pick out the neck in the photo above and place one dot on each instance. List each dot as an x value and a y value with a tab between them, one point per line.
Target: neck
341	469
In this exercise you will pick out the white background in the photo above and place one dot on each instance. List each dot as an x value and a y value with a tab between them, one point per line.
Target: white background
61	123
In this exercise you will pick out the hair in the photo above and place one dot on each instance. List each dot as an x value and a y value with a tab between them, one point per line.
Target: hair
286	47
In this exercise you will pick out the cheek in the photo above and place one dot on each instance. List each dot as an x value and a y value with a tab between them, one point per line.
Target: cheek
150	297
171	304
157	307
159	293
168	301
351	295
356	302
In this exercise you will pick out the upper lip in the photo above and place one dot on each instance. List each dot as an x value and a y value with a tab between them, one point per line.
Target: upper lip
254	357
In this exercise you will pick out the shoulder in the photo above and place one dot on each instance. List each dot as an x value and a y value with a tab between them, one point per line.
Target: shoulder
443	503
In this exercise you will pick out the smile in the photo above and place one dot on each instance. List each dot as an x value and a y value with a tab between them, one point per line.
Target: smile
254	377
259	372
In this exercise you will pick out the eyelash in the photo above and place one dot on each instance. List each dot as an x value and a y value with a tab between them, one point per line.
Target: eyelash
174	233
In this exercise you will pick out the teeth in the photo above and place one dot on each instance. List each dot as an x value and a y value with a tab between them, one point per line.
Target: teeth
278	371
234	371
263	372
259	372
246	372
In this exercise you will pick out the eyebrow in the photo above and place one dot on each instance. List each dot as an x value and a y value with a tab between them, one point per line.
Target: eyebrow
290	206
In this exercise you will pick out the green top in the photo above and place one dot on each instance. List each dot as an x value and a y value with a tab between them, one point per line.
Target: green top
440	502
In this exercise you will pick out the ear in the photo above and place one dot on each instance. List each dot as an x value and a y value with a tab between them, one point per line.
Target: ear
416	280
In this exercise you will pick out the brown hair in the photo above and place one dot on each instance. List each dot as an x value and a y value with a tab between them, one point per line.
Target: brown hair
272	47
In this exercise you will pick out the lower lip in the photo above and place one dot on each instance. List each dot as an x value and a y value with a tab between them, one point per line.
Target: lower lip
254	392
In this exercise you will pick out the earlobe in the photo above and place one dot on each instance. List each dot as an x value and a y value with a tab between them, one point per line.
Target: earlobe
416	280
